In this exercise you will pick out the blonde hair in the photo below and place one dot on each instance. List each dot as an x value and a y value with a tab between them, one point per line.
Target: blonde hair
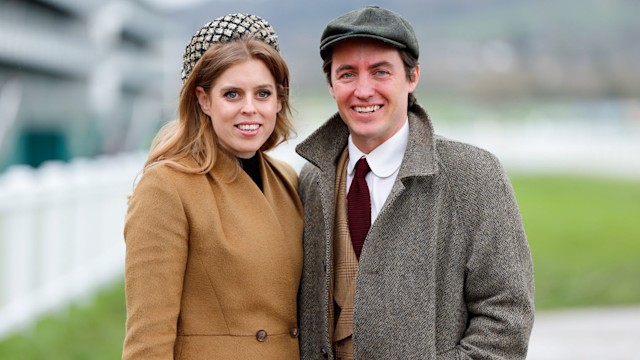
192	134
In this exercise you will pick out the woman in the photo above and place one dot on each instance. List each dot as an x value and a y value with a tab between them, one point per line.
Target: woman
214	227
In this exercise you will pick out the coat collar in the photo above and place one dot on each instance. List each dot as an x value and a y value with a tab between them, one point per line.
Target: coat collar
323	147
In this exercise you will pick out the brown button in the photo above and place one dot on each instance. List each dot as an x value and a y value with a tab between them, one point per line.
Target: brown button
261	335
294	332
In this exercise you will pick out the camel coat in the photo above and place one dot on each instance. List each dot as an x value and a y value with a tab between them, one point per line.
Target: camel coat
213	264
445	271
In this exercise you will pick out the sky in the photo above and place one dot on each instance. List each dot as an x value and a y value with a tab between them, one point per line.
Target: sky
176	4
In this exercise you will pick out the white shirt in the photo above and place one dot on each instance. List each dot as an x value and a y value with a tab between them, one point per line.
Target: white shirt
384	162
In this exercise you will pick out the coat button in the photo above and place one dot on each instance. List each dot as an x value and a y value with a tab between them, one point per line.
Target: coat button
324	352
294	332
261	335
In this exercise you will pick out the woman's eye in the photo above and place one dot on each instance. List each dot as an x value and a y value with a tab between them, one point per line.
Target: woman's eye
264	94
231	94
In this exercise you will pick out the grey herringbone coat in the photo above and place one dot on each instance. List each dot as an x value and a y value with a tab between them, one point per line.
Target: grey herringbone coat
445	271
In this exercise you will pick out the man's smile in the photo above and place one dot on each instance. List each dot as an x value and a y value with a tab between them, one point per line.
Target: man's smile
367	109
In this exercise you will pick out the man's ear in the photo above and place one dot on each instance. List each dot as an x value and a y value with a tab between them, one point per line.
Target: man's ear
415	76
203	100
331	90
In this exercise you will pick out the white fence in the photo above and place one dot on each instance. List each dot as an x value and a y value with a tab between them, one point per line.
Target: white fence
60	233
61	225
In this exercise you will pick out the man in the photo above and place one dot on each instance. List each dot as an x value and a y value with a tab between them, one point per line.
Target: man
432	262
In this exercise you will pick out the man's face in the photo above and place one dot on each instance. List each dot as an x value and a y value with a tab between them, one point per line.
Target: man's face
370	86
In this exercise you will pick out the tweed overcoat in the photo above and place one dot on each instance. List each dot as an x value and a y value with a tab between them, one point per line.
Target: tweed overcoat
445	271
211	261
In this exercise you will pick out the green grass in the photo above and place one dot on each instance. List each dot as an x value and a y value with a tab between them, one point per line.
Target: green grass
584	236
91	331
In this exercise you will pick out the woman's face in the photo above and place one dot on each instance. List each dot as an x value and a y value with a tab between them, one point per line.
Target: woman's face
242	104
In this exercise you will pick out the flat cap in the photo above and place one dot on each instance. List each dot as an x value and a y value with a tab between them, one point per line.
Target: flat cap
371	22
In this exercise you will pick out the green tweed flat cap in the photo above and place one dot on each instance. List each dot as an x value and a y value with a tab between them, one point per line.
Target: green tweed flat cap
371	22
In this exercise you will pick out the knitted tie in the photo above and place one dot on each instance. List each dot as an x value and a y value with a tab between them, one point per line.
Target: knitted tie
359	206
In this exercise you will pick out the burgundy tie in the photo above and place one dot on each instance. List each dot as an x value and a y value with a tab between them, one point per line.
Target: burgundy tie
359	206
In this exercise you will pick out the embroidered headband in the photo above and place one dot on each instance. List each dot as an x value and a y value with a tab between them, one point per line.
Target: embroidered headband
225	29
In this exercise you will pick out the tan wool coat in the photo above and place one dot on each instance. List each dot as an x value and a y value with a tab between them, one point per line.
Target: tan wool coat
213	264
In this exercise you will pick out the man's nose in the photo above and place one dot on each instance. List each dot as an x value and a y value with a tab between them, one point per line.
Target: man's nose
364	88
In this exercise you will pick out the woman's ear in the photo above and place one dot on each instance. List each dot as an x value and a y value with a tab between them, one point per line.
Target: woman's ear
203	100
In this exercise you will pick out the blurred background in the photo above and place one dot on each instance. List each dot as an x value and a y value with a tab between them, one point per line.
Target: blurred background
551	87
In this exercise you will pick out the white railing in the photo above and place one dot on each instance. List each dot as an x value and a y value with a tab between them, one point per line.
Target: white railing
61	224
61	233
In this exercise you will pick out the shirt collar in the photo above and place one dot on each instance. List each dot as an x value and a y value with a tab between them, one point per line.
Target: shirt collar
386	158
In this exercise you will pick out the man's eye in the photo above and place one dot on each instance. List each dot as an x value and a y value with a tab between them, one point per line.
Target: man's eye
346	75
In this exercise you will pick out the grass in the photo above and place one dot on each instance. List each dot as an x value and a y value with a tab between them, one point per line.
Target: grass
91	331
584	236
